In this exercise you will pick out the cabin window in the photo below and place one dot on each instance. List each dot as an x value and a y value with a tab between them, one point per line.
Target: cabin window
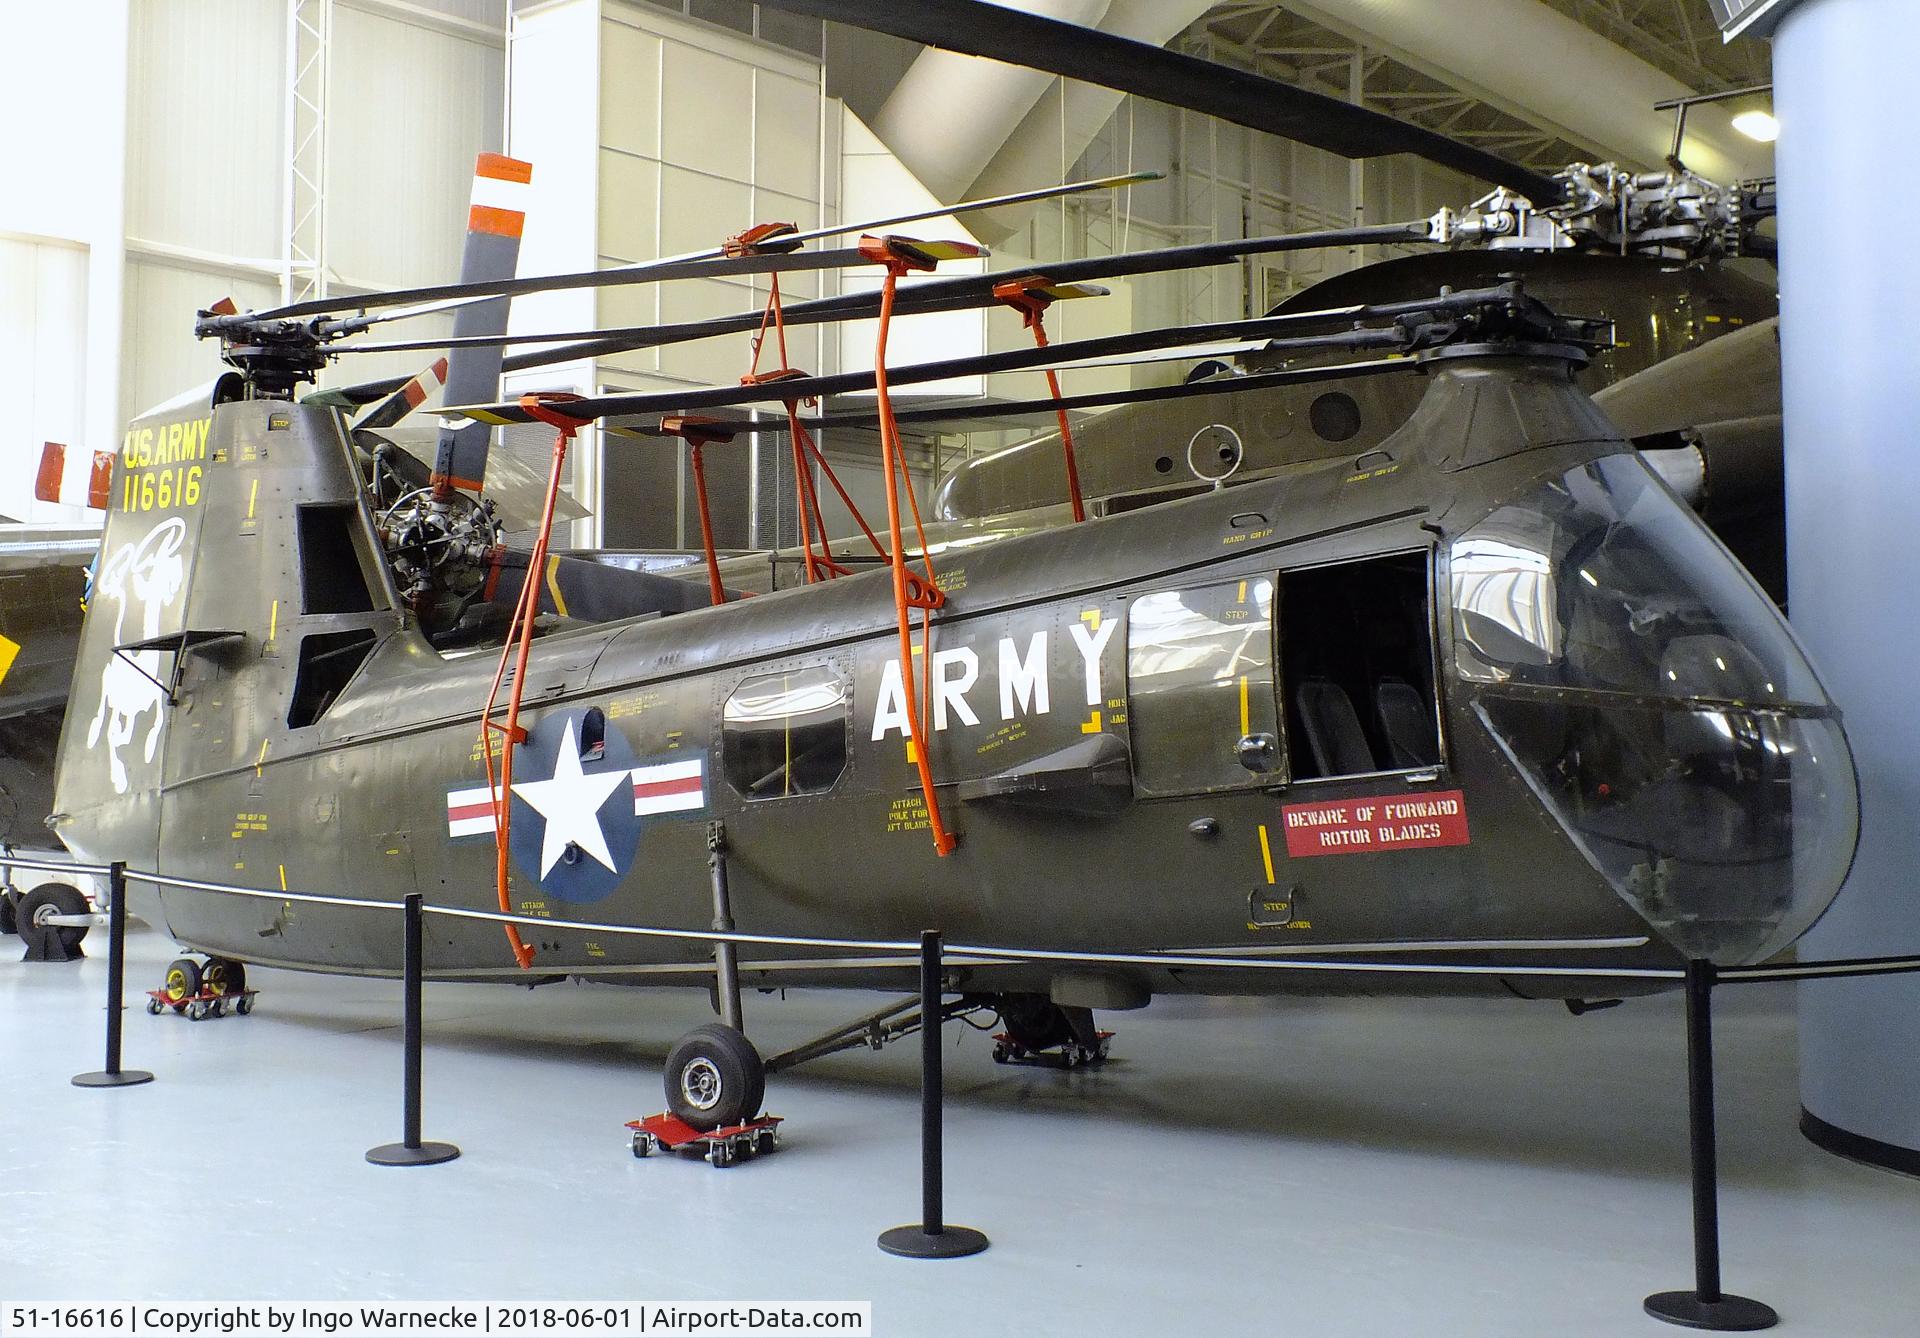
331	577
1200	683
785	734
1357	664
328	662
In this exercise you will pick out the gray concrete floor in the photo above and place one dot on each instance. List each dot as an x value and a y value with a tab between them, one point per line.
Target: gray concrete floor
1298	1168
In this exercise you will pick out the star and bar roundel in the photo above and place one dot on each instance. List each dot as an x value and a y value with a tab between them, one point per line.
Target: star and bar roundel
578	806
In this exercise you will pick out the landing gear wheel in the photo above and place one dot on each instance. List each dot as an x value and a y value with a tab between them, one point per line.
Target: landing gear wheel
1033	1021
714	1077
53	899
223	976
183	979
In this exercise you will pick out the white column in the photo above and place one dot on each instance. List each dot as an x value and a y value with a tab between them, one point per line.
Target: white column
1849	285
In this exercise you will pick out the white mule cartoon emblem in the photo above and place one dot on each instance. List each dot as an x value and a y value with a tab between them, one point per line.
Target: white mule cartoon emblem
149	575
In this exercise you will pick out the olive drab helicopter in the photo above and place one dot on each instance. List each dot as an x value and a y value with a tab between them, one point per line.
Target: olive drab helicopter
1484	694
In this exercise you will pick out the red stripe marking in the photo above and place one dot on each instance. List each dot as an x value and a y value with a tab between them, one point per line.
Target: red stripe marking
461	812
653	789
498	222
53	466
100	481
440	370
414	393
502	168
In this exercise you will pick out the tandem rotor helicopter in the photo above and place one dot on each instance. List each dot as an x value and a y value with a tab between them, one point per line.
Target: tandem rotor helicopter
1484	692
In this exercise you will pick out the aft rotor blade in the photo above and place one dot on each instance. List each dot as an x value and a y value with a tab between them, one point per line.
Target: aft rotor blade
976	28
657	271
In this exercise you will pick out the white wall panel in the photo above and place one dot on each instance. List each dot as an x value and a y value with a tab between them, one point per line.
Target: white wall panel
629	206
160	357
630	89
409	107
706	112
786	148
43	353
205	171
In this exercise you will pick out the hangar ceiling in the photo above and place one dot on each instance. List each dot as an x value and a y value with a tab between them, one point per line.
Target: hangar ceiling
1676	37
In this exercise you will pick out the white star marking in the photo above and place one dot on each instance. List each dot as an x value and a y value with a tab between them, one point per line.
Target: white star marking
570	802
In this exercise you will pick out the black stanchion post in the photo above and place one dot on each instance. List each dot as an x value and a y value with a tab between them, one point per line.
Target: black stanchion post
113	1075
410	1151
931	1238
1706	1306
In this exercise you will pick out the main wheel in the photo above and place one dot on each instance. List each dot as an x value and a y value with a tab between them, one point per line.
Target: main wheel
1033	1021
183	979
53	899
714	1077
223	976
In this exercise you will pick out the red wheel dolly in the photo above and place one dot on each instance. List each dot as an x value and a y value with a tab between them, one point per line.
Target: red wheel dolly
202	1005
1069	1055
722	1147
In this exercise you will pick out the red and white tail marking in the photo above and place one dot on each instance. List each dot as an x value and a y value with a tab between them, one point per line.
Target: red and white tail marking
50	485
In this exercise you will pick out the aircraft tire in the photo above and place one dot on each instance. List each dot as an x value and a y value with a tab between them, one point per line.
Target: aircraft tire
223	975
53	899
182	980
1033	1022
714	1077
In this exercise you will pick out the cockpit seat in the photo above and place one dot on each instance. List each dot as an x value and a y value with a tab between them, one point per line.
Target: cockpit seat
1406	723
1334	735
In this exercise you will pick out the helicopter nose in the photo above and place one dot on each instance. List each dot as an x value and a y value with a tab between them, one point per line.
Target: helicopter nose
1659	707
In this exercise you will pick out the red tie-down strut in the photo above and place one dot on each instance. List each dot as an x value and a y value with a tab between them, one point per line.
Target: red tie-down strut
1030	297
807	456
519	640
910	589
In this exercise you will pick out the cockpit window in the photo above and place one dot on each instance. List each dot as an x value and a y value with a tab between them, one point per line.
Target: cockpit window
1600	580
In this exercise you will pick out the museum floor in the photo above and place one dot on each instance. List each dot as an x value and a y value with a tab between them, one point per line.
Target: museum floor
1312	1168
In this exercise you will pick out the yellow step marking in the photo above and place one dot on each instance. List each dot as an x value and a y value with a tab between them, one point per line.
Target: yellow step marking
1246	726
253	495
273	622
1091	617
1092	726
1266	852
9	652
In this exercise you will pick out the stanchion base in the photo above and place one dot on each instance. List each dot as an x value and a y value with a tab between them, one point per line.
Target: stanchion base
916	1242
124	1078
1729	1314
399	1154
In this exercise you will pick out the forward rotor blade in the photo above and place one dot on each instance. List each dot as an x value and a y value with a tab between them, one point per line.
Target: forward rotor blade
985	410
931	295
1273	329
975	28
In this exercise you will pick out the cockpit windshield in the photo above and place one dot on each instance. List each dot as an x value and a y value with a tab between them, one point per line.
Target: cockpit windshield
1659	706
1600	580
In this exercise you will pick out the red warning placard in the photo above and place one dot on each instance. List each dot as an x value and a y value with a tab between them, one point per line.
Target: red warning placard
1376	822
